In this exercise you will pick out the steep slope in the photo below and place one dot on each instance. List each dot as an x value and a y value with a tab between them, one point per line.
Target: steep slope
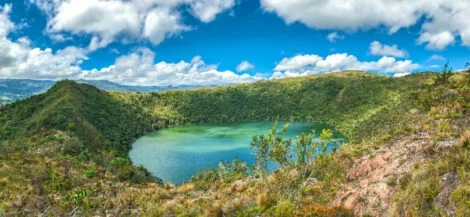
95	117
408	155
358	104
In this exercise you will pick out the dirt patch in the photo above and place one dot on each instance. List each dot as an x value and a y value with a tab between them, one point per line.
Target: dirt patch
373	179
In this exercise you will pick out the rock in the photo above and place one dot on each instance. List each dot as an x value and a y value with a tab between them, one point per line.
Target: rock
237	185
447	143
449	182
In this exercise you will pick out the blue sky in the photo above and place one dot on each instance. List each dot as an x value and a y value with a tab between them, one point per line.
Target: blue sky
162	42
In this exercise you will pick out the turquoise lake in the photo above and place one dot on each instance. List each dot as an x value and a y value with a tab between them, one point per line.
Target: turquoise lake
177	153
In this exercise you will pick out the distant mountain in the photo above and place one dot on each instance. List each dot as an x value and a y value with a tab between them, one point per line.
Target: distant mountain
15	89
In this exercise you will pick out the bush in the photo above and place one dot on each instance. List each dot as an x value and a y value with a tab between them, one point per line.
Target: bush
284	208
316	210
125	171
90	173
461	198
443	78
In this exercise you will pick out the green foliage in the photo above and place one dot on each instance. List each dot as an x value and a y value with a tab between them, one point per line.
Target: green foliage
90	173
284	208
274	147
225	172
50	143
125	171
461	197
304	148
444	76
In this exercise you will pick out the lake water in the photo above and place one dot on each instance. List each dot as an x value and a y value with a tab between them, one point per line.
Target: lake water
176	154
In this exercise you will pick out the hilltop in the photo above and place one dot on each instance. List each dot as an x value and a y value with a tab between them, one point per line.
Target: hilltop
17	89
407	135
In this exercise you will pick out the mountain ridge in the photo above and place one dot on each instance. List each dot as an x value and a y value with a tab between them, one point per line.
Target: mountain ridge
15	89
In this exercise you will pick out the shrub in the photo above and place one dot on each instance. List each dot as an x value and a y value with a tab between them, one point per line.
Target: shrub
444	76
125	171
316	210
284	208
90	173
461	198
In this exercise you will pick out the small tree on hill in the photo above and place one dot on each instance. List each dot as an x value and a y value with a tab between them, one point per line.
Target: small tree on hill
444	76
274	147
261	146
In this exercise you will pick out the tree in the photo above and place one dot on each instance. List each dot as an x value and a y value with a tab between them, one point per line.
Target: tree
261	146
309	150
274	147
444	76
280	147
304	145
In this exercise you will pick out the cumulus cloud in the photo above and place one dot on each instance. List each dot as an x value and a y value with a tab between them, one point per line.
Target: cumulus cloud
314	64
437	41
19	60
297	62
139	69
245	65
378	49
206	10
332	37
444	20
5	24
107	20
162	23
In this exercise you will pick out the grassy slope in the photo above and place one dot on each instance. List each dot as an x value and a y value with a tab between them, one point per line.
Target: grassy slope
92	115
360	105
350	101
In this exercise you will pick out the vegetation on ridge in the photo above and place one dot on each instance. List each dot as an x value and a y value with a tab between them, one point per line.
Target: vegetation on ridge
65	151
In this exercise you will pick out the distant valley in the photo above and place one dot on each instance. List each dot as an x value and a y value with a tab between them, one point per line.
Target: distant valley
16	89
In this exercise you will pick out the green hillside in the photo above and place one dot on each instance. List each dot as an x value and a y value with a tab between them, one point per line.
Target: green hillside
65	151
354	102
346	100
93	115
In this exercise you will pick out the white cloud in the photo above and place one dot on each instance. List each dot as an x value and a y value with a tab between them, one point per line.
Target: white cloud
108	20
314	64
139	69
161	23
297	62
103	19
437	41
397	75
19	60
444	19
437	57
245	65
332	37
378	49
5	24
206	10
